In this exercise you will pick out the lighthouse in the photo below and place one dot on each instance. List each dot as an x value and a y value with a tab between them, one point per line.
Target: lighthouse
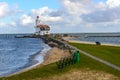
37	30
41	29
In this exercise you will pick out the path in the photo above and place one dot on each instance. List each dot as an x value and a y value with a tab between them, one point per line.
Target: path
93	57
98	59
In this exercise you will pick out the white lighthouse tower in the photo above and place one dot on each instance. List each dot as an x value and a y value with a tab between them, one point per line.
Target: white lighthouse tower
37	30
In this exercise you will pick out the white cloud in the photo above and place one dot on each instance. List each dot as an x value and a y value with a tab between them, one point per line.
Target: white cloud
51	19
3	9
13	24
26	20
2	24
106	15
46	14
113	3
76	6
73	16
101	6
6	10
41	11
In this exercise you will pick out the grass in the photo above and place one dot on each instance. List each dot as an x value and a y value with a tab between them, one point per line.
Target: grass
85	62
108	53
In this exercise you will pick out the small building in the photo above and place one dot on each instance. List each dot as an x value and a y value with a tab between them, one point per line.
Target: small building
41	29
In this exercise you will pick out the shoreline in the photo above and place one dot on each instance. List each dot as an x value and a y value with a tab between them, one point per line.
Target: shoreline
34	60
51	56
69	39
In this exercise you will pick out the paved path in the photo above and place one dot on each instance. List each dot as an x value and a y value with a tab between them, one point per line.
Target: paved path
93	57
98	59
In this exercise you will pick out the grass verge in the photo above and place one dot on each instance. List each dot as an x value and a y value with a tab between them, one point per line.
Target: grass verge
107	53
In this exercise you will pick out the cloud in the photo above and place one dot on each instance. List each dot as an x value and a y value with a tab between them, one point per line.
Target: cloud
15	27
76	6
3	9
107	15
113	3
2	24
72	16
46	14
41	11
103	12
56	13
100	6
66	16
25	20
6	10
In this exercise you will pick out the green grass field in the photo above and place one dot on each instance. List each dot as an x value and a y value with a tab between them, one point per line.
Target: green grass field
85	62
108	53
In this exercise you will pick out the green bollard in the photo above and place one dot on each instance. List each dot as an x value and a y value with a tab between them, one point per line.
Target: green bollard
76	56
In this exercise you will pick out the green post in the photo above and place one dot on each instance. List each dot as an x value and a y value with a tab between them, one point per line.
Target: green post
76	56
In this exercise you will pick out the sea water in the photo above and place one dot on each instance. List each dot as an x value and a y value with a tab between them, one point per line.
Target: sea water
19	53
105	38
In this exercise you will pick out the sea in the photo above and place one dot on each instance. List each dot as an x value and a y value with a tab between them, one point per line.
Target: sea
17	54
103	38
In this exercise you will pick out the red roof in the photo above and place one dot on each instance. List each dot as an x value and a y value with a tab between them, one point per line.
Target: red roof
43	27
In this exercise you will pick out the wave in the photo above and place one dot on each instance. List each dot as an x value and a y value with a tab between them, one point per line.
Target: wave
4	49
34	60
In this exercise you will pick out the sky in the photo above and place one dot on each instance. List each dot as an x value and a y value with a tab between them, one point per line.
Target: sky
63	16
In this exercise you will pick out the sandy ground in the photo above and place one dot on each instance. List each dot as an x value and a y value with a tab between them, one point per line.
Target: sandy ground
85	74
54	55
69	39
